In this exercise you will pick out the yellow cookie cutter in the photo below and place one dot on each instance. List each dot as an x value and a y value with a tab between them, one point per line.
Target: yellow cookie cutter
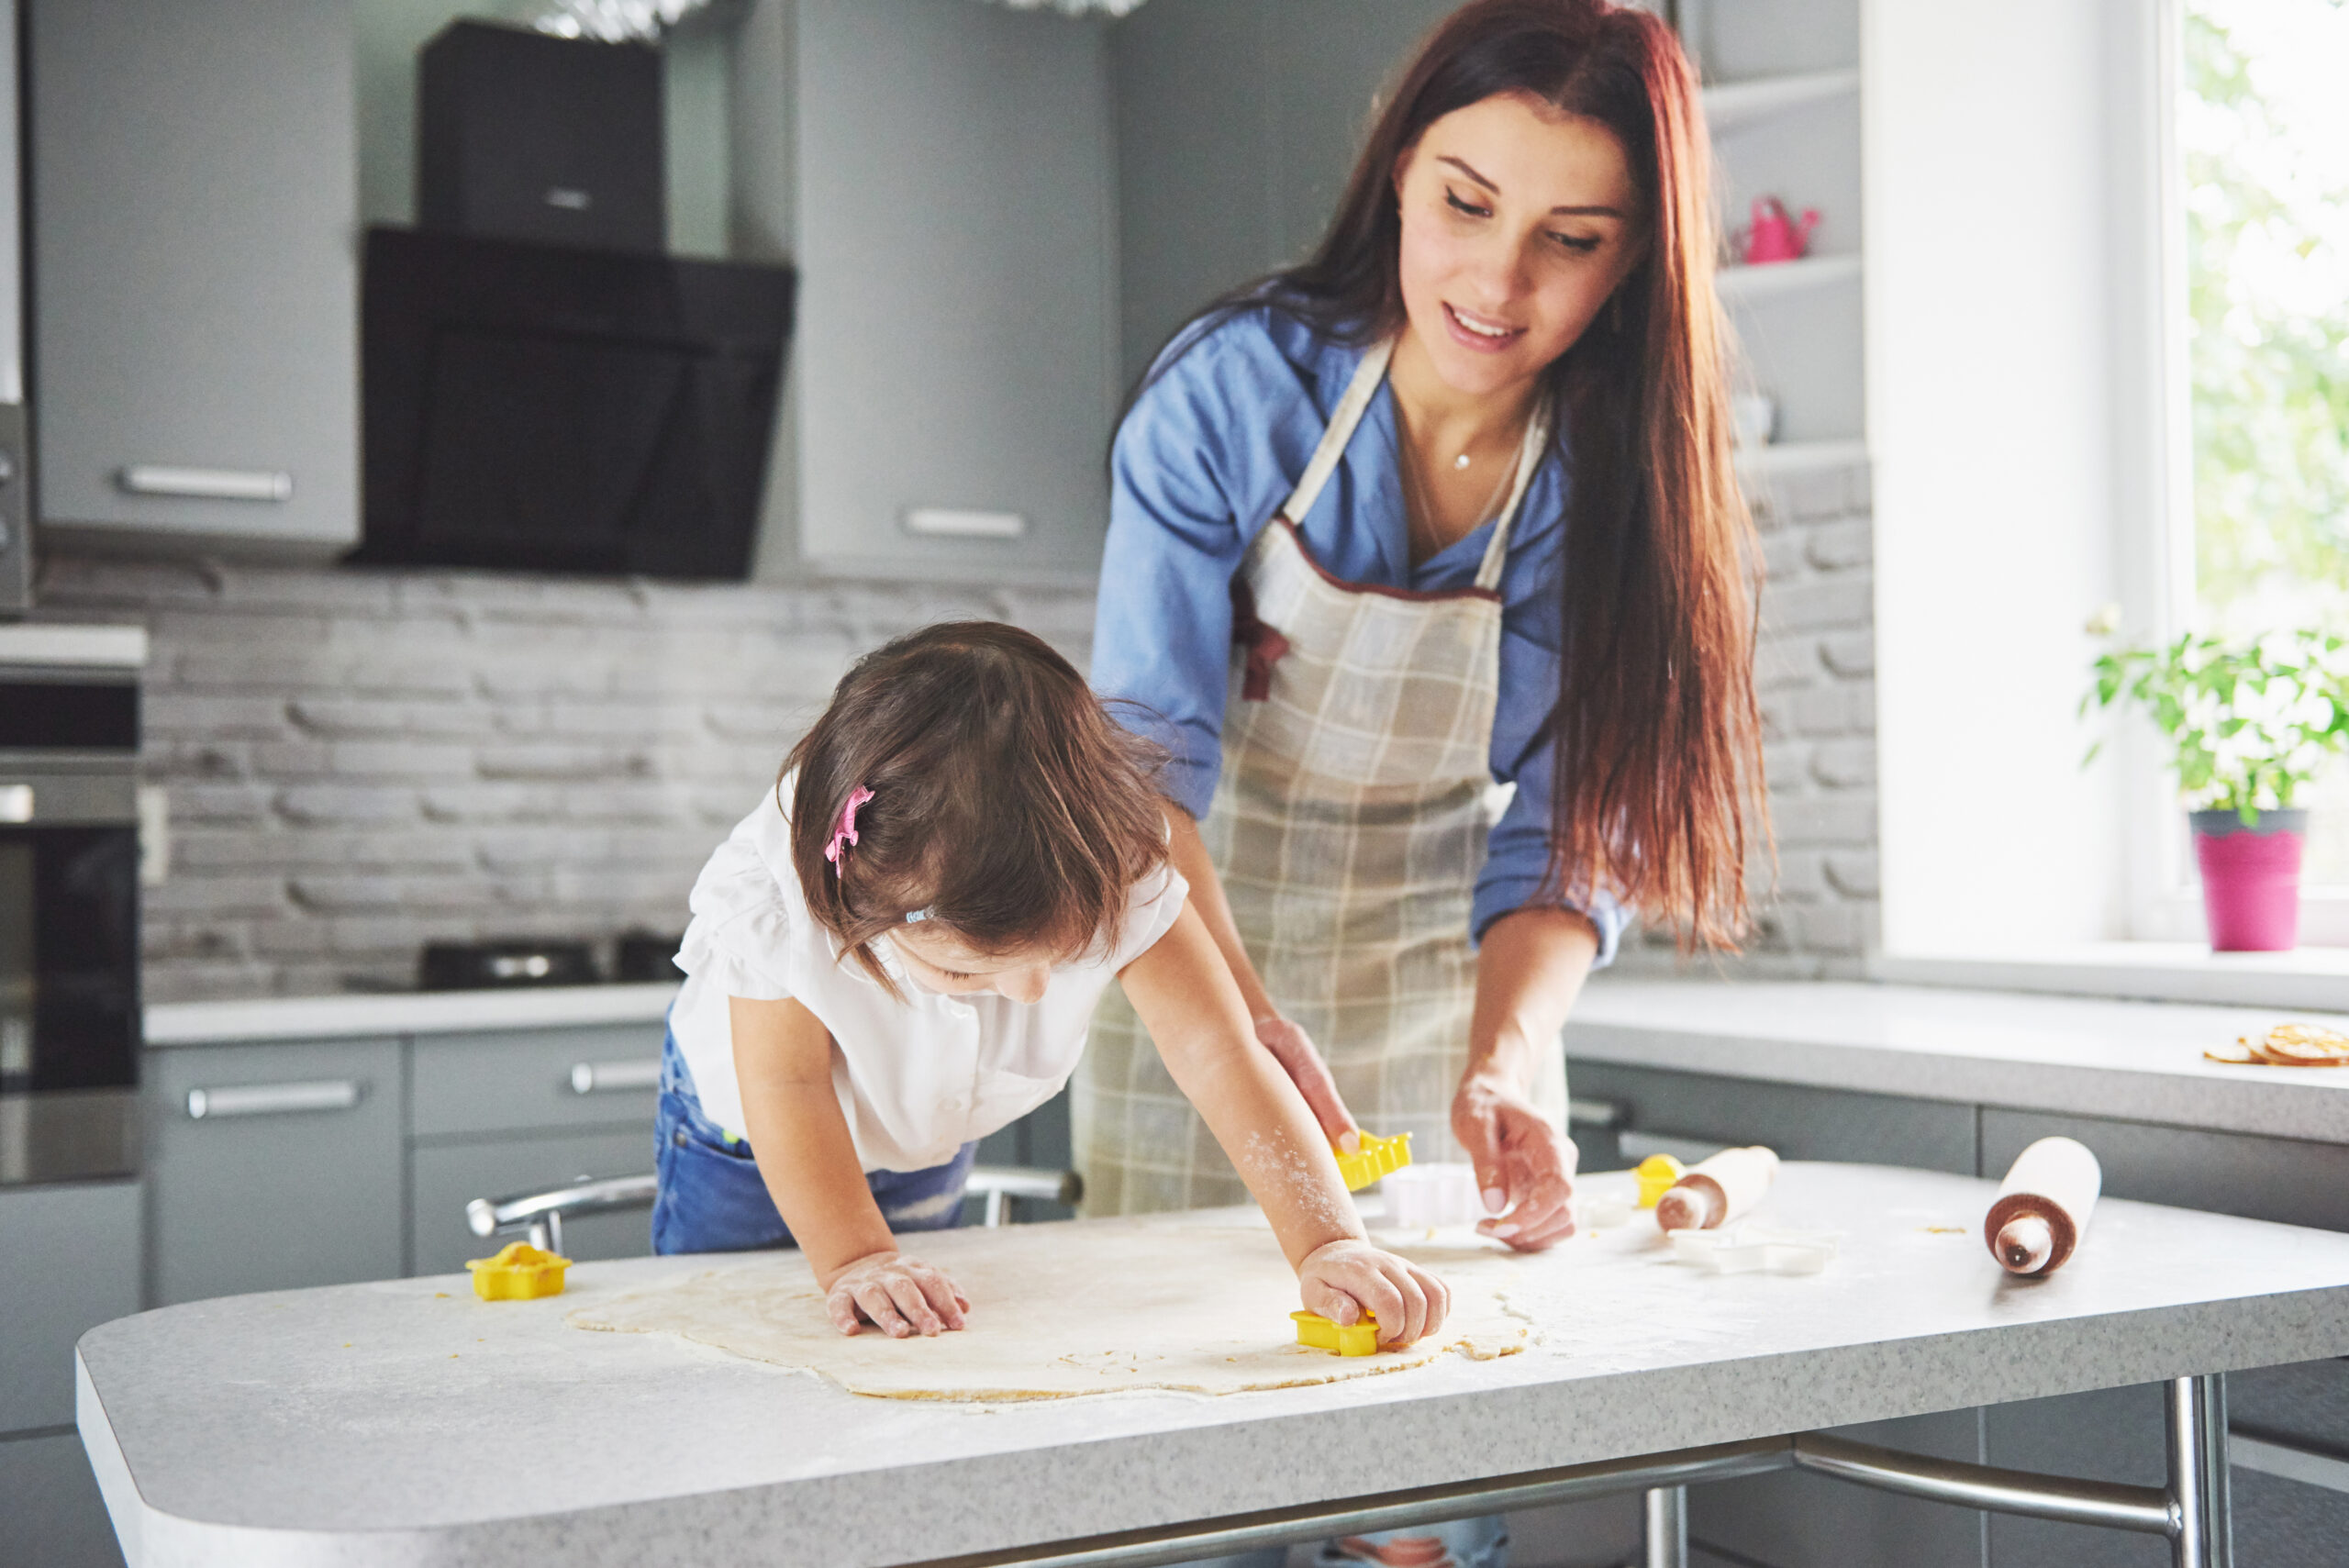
1346	1338
1657	1173
1378	1157
519	1272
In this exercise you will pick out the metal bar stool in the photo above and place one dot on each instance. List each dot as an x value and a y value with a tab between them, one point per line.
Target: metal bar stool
539	1215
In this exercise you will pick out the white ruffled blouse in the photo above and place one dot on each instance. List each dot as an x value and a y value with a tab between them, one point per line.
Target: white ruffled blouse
918	1078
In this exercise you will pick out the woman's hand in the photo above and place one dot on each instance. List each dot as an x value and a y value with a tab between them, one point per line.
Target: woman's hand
1342	1280
1293	1048
1524	1165
897	1294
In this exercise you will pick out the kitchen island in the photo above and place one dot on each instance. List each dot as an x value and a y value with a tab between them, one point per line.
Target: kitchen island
404	1422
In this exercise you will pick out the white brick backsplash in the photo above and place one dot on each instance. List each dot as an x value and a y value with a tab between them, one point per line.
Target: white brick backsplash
342	718
1839	819
1853	872
1845	542
1844	764
346	803
1849	653
359	762
1818	603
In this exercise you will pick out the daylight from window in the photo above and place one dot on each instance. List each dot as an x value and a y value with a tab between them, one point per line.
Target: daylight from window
2263	128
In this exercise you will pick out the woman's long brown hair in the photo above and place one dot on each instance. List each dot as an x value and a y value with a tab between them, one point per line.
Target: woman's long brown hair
1656	731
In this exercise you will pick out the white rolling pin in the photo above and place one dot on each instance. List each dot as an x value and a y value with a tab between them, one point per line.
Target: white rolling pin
2042	1207
1717	1190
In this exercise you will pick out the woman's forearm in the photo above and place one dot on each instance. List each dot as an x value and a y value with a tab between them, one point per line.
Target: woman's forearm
806	1155
1530	969
1189	853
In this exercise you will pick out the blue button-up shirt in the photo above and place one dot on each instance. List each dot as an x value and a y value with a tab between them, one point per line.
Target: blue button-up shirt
1204	459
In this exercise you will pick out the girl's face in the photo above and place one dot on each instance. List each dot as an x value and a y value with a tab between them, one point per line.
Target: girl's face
936	962
1517	223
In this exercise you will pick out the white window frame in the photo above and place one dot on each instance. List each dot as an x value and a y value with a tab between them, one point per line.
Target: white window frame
2164	899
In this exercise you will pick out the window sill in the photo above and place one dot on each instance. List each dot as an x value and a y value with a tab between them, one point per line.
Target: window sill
2315	978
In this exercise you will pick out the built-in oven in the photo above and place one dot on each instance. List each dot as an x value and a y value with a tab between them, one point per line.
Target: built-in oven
68	902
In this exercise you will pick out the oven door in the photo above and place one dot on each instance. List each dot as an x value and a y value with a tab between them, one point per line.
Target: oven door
69	957
68	975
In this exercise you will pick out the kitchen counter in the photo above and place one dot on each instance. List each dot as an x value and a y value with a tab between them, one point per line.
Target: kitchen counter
389	1424
365	1014
2132	1060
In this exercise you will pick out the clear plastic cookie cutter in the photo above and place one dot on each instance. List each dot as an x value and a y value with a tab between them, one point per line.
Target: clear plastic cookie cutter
1756	1249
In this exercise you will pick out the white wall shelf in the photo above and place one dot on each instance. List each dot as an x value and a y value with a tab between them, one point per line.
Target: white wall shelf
1798	457
1736	104
1740	285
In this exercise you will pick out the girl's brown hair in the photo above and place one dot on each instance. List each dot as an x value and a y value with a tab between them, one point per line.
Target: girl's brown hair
1656	731
1006	801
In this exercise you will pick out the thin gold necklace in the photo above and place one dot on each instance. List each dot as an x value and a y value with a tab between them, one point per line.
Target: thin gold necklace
1421	528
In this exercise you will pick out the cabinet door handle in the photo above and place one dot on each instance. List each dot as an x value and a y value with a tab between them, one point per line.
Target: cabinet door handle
207	483
273	1099
612	1077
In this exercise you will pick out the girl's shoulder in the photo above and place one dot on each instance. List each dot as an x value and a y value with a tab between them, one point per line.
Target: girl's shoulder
753	868
1152	906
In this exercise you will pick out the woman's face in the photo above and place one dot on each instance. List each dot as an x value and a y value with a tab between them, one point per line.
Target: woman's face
1517	223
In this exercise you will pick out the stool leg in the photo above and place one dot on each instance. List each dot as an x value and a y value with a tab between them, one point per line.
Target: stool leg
2199	1507
1667	1515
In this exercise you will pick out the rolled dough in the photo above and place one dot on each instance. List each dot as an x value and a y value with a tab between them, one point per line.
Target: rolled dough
1064	1310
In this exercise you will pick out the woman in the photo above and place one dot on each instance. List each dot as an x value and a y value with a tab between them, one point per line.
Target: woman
1447	506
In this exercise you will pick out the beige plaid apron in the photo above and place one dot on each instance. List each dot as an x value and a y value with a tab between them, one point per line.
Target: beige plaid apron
1349	824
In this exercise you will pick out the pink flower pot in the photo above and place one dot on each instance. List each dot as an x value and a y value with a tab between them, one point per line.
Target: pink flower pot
2251	879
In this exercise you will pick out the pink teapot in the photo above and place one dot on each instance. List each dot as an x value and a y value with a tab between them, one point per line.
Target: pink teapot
1775	237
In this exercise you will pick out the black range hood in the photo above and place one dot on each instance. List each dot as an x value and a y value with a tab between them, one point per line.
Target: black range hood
553	409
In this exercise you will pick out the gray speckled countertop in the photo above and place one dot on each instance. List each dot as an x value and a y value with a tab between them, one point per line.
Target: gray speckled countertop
374	1013
385	1424
2134	1060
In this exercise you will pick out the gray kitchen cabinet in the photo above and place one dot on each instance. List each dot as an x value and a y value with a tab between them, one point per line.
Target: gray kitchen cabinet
956	363
289	1176
1238	122
443	1178
51	1513
1799	1123
194	280
503	1112
69	1262
2283	1179
500	1081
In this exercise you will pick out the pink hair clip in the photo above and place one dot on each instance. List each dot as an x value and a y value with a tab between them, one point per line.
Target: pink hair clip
845	834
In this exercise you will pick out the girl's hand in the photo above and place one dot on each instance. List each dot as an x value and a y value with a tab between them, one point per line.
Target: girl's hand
897	1294
1524	1165
1293	1048
1342	1280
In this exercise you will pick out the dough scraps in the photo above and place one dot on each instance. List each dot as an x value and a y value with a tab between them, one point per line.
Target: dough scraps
1071	1309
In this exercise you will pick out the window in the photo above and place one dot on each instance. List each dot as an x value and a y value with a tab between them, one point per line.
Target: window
2262	144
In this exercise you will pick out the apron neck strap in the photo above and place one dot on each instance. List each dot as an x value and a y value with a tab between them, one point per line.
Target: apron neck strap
1529	452
1348	414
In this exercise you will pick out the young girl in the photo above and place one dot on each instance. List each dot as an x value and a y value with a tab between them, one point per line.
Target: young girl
898	953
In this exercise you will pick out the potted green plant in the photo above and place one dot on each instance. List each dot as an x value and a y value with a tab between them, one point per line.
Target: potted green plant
2248	724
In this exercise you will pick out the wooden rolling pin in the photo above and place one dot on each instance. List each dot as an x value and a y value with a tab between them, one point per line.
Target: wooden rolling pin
2042	1207
1717	1190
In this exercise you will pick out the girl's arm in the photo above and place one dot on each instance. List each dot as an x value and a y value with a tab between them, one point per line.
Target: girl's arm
1529	968
783	1058
1290	1045
1185	994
